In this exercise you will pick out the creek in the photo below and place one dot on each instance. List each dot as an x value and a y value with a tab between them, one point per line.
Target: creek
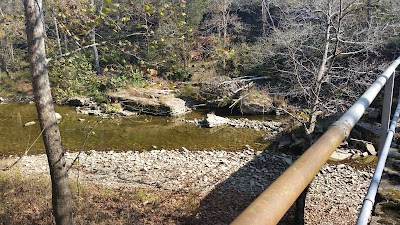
120	133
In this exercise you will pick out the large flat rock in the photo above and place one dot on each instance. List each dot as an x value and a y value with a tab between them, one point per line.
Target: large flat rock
150	101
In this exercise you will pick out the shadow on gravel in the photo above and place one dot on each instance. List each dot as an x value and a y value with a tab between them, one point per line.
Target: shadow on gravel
229	198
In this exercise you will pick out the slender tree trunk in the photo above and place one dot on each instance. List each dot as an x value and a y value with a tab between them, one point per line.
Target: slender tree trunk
61	194
320	76
369	14
56	28
264	17
3	66
97	68
95	53
313	115
65	38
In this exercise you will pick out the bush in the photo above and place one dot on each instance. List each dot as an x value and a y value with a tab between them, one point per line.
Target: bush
75	76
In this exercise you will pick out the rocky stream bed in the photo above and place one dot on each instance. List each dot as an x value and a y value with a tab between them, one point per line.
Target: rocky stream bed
335	196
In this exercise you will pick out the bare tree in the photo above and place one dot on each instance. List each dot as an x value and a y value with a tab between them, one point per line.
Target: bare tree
61	194
9	36
266	16
224	23
97	6
55	22
313	48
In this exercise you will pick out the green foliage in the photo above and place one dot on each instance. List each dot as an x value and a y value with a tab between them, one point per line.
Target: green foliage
181	74
187	90
172	35
169	45
144	197
240	60
74	76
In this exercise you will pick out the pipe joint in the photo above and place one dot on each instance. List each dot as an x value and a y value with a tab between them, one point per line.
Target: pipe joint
344	126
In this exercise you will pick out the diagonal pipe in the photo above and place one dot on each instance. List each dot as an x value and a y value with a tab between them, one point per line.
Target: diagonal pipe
271	205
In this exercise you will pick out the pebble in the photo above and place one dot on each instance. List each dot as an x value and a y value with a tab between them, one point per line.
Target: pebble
31	123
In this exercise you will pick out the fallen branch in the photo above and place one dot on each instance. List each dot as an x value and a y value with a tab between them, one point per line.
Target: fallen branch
243	79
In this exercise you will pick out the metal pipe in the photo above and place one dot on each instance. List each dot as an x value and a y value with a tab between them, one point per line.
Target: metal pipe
369	199
354	113
270	206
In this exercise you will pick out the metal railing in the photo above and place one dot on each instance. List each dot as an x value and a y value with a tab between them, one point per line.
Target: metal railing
369	199
271	205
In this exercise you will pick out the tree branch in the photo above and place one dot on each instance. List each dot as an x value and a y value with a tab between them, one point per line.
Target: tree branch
75	51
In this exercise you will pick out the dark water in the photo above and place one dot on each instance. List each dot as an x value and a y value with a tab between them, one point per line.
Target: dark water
119	133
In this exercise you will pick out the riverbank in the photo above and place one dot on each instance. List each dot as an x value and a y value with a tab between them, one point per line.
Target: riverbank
219	183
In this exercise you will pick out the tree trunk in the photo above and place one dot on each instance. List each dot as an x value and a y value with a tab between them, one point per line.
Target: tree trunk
320	76
97	4
65	38
61	194
95	53
56	28
3	66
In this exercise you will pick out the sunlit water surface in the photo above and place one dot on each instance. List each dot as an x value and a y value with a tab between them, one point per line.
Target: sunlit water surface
119	133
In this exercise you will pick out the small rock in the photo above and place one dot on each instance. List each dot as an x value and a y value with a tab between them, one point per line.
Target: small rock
81	120
288	160
339	156
57	116
341	166
212	120
370	148
373	113
127	113
31	123
183	149
78	101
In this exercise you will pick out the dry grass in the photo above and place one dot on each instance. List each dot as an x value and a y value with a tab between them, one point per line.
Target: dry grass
28	201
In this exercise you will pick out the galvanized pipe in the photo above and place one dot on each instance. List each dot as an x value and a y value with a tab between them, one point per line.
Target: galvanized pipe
272	204
369	199
354	113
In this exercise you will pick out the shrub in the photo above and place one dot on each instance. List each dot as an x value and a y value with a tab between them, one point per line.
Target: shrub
74	76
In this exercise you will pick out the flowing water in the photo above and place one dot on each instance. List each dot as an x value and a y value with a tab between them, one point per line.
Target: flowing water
119	133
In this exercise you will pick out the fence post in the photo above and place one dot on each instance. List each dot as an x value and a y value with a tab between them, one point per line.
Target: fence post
386	111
